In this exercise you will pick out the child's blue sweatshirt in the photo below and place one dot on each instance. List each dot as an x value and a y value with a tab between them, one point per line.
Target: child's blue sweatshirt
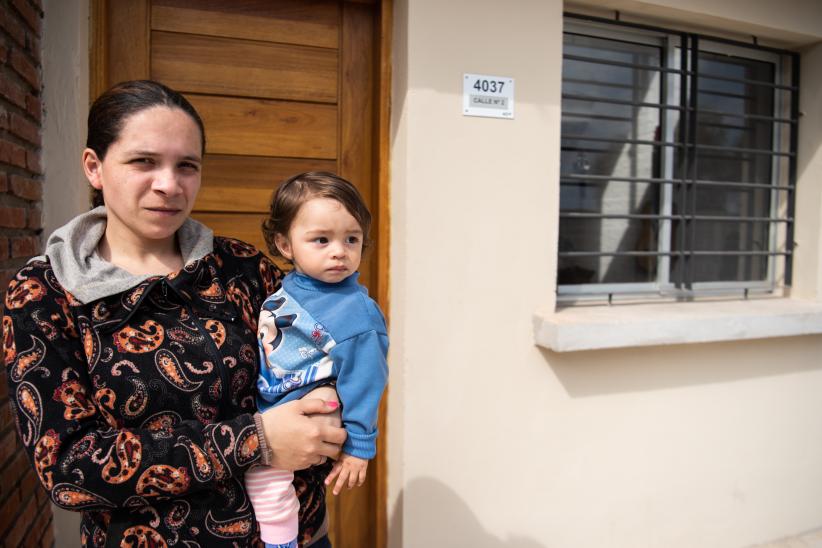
311	332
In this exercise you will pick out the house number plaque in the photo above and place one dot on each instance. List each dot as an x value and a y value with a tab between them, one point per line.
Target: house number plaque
489	96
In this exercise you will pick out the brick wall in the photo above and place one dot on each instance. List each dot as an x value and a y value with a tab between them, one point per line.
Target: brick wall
25	513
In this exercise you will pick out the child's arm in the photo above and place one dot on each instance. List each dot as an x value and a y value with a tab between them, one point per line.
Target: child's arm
361	378
349	471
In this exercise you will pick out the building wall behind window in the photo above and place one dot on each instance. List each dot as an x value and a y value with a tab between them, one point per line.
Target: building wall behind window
496	442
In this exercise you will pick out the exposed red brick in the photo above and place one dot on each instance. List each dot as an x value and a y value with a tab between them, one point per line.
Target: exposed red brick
11	153
5	277
43	518
34	107
40	527
24	129
7	490
34	219
28	189
21	63
25	511
33	162
30	15
5	417
12	217
42	497
8	445
13	472
8	510
24	246
12	91
29	484
21	526
13	26
33	44
18	467
48	538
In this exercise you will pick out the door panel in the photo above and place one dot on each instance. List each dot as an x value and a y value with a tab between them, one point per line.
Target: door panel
243	183
260	127
283	86
357	102
310	22
356	163
228	66
245	227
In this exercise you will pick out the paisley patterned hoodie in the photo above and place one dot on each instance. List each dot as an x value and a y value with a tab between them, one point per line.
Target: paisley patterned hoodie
134	395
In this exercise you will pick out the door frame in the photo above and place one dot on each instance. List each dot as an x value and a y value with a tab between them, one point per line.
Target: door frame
103	71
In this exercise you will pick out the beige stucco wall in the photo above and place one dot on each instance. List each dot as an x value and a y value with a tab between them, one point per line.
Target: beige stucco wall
65	97
65	100
496	442
808	272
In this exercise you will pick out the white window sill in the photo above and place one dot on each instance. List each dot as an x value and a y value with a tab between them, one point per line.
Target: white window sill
647	324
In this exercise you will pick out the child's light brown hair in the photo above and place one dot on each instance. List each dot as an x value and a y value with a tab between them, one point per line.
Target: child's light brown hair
294	192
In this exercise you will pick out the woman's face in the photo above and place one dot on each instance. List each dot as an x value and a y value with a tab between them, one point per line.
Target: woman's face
150	175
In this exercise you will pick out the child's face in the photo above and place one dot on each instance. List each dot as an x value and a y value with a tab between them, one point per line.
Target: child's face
324	241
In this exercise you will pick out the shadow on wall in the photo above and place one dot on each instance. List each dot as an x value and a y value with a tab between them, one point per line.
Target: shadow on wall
613	371
810	539
442	519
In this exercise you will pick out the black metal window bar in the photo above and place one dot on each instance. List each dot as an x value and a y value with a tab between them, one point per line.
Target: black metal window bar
685	186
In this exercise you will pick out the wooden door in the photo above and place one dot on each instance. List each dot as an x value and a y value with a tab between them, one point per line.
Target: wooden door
283	86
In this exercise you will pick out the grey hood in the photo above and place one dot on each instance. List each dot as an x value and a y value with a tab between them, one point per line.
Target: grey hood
72	251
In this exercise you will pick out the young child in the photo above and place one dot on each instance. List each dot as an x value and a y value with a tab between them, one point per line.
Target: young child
319	329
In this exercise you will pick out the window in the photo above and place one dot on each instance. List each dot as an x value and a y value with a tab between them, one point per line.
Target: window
678	163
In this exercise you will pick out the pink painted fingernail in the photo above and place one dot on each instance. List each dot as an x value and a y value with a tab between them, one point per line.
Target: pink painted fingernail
332	404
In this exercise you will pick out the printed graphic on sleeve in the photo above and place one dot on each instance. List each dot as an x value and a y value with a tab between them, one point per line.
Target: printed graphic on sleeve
294	348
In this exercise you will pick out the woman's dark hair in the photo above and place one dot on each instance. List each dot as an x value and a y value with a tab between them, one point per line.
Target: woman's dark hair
294	192
109	112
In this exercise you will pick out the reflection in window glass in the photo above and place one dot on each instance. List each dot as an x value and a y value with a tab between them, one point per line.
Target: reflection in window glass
725	104
602	120
677	164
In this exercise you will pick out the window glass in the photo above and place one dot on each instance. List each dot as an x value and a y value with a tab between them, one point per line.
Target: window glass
734	154
604	121
672	180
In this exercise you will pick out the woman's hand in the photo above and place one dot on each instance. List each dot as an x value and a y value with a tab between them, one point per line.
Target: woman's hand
297	440
348	471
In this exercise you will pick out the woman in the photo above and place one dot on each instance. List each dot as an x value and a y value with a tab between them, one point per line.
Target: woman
131	351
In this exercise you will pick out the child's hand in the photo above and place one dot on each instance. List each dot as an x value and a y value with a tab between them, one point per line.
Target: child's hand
348	470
